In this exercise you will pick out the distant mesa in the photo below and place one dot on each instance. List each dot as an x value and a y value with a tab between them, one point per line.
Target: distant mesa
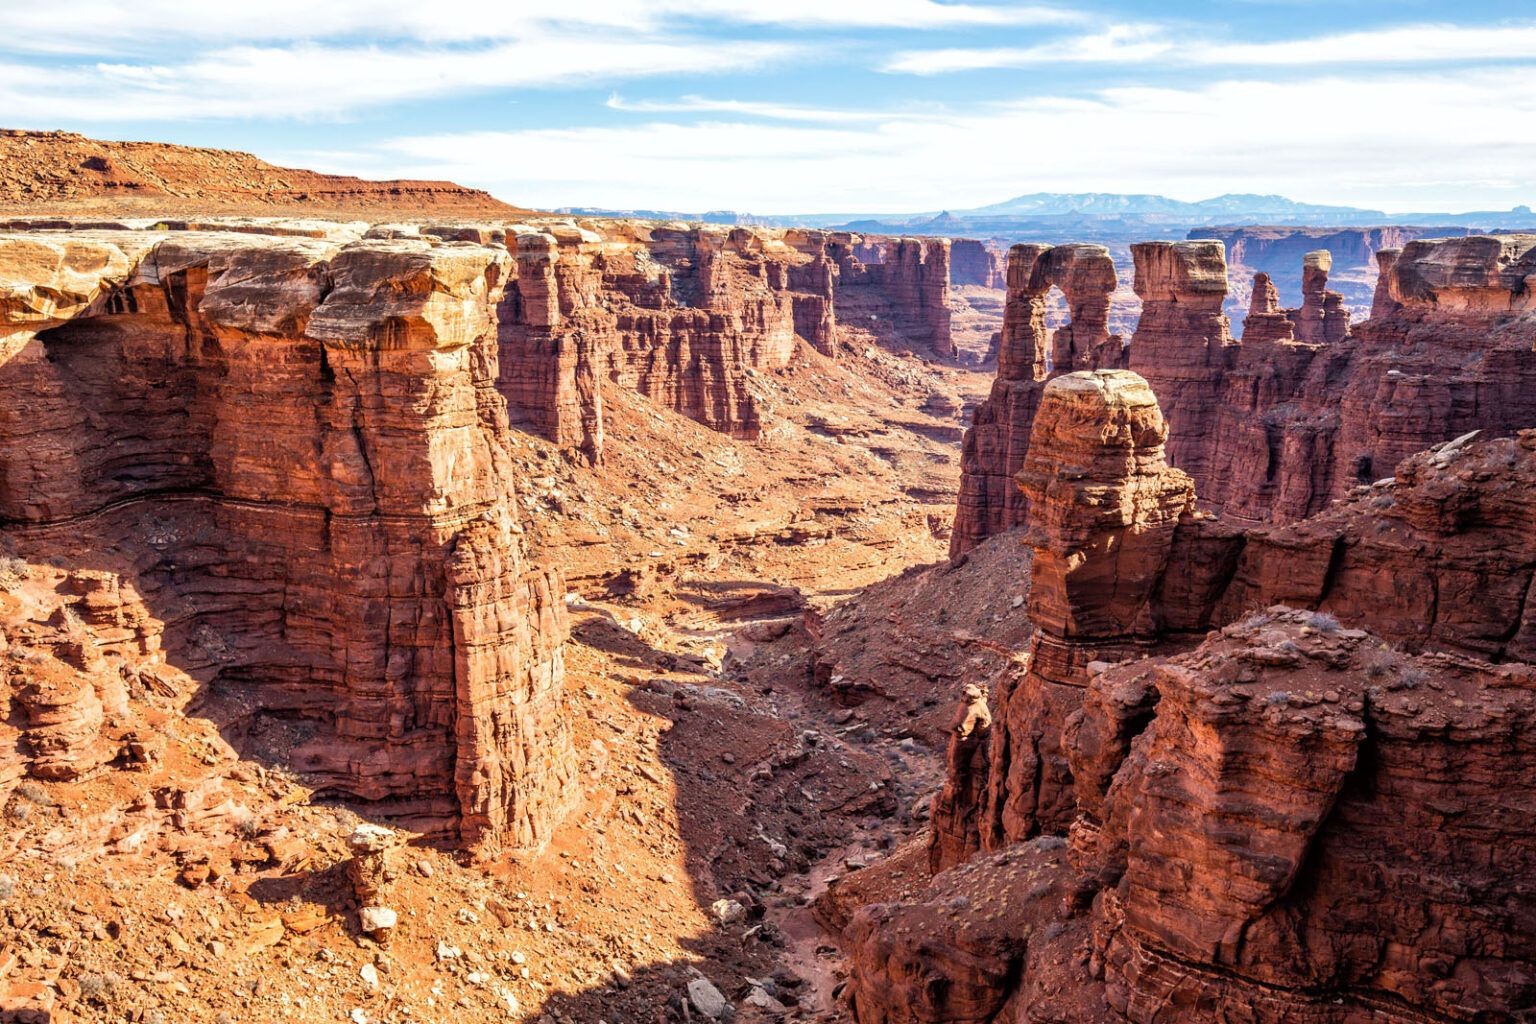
64	171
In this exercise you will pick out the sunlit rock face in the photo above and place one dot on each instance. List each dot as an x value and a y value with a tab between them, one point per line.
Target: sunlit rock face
1274	773
1306	406
292	452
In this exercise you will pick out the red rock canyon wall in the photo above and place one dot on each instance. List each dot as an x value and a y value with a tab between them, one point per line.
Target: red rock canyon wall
1305	406
1314	815
292	452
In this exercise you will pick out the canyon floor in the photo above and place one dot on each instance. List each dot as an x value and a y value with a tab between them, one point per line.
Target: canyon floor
735	753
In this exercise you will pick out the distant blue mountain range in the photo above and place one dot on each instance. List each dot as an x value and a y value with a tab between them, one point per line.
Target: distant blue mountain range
1093	213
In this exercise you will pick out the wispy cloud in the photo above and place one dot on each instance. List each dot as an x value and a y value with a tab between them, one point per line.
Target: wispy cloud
1142	44
768	111
314	81
110	26
1118	43
1188	142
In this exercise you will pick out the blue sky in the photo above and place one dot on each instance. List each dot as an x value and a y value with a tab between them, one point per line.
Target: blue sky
814	105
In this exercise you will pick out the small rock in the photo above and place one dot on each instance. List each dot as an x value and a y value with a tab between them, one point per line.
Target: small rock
369	839
377	919
706	998
763	1001
370	976
727	911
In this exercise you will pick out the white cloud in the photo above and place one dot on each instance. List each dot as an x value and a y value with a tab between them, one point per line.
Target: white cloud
1360	140
111	26
1141	44
769	111
1409	44
1118	43
314	81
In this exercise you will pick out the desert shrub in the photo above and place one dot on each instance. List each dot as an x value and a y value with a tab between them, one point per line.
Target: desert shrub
1323	622
98	988
12	571
32	793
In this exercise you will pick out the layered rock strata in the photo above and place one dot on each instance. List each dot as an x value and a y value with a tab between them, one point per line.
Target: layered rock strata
976	263
1104	507
1028	355
684	314
1280	252
900	286
292	452
680	319
66	170
1315	815
1305	406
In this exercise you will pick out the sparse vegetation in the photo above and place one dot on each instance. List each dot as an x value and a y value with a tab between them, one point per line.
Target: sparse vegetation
1322	622
32	793
98	988
12	571
1254	619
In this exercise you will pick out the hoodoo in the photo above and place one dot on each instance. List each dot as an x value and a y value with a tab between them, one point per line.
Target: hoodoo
1029	354
1304	407
1236	828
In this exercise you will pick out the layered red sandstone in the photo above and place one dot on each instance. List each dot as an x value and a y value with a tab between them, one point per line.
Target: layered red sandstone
972	262
1306	406
66	170
293	453
684	314
1312	816
1028	355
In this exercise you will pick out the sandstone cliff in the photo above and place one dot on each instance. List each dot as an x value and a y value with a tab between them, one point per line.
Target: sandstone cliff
292	452
1305	406
976	263
684	314
1279	252
1228	812
1028	355
63	170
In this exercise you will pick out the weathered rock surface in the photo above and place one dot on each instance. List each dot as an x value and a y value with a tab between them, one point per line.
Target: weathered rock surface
1279	252
63	169
1312	816
1103	507
293	453
975	262
683	315
1028	355
1305	407
1299	863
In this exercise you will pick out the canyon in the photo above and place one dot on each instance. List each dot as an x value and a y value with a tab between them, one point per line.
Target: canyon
413	607
1229	756
1300	410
